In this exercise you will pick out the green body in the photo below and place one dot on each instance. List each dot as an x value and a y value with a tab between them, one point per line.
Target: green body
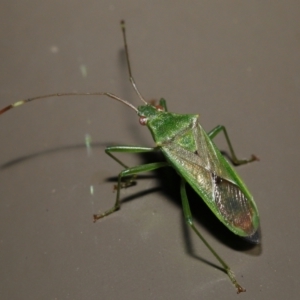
190	150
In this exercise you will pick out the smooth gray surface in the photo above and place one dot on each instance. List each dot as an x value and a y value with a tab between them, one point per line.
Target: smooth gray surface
234	62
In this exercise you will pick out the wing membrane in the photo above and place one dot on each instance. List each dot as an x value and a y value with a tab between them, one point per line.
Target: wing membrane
213	178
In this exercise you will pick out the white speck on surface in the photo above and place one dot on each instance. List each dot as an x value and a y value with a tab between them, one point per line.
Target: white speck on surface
92	190
88	142
83	70
54	49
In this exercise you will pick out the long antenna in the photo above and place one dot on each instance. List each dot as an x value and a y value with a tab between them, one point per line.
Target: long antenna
21	102
110	95
128	63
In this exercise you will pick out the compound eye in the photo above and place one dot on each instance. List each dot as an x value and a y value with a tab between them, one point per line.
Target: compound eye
143	121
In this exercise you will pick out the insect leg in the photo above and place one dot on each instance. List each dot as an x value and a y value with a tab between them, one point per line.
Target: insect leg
235	160
189	220
129	172
127	149
163	103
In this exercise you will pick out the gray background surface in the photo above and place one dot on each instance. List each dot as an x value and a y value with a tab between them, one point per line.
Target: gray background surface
234	62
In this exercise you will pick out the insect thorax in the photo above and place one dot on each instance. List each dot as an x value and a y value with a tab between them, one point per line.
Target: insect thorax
168	127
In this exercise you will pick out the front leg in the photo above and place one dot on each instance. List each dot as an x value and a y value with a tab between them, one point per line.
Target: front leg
129	172
126	149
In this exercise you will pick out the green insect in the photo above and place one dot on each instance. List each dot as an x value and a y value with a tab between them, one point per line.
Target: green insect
191	152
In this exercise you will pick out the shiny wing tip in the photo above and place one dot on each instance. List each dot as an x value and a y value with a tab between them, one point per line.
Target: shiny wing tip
254	238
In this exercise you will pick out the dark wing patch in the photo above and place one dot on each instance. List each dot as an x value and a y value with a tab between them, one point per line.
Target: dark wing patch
233	204
210	175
